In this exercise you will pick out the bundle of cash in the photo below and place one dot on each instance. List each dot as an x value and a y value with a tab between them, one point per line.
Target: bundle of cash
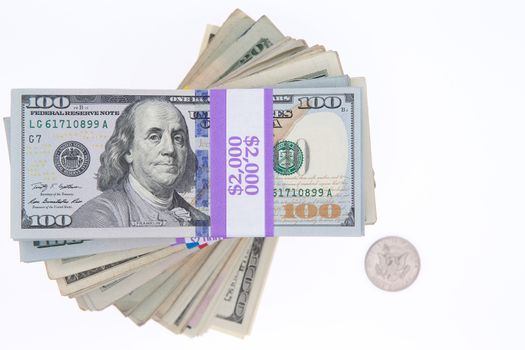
119	192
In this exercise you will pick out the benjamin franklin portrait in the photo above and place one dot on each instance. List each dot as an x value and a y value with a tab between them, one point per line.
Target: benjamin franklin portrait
146	163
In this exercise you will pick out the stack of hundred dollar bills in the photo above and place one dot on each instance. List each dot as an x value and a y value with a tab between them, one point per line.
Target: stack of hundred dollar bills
112	189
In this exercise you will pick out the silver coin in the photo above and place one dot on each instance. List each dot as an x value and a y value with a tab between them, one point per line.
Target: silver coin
392	263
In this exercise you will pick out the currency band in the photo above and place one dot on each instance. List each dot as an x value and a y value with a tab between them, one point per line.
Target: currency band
241	164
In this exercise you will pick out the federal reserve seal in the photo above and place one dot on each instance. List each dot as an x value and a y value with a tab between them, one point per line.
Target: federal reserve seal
392	263
287	157
71	158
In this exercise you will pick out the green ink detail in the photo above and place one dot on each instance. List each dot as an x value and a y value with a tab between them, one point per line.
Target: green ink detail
287	158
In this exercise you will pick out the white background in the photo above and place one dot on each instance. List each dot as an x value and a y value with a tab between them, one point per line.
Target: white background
446	86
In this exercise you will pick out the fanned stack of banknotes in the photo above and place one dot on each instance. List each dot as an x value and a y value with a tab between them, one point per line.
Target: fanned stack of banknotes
119	208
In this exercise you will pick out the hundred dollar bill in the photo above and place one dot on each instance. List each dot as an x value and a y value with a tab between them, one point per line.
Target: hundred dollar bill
45	250
32	251
114	164
368	171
